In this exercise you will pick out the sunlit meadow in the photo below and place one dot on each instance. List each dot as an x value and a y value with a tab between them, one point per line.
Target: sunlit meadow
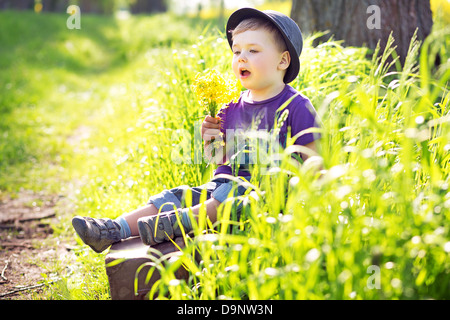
367	218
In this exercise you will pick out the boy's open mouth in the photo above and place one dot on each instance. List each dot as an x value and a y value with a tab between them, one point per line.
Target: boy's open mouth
244	72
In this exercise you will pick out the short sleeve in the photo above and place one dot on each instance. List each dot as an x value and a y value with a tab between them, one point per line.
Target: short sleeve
302	116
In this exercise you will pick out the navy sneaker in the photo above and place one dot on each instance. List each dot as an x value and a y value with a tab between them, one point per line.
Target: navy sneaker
98	234
166	229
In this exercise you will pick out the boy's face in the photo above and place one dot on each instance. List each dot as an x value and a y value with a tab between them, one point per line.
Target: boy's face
257	62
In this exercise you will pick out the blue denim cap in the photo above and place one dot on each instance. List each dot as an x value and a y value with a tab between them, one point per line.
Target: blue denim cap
288	28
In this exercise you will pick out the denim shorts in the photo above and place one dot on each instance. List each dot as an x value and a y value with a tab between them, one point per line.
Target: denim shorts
218	188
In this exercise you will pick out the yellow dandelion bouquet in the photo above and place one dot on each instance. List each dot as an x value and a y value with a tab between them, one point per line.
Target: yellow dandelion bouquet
213	90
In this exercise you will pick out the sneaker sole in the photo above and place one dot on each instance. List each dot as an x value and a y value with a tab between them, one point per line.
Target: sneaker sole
146	232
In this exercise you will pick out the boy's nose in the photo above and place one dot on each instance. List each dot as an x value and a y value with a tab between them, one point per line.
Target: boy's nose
242	58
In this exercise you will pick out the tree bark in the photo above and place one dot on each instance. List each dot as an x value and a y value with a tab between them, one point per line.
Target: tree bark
353	21
17	4
148	6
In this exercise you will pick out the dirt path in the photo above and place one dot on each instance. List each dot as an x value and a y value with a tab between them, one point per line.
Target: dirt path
26	242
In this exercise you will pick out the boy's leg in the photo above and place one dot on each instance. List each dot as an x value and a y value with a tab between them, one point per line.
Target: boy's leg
211	209
167	226
99	234
132	217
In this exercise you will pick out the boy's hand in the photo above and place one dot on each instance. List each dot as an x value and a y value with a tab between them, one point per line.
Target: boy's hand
211	129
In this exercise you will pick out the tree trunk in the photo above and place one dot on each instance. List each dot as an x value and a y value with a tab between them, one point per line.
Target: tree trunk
55	5
148	6
17	4
360	23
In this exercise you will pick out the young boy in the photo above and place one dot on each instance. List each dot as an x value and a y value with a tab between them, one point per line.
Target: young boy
266	47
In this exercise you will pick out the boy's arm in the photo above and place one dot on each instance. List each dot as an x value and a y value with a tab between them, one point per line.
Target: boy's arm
312	146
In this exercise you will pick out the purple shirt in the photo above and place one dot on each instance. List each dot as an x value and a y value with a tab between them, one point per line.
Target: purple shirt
242	114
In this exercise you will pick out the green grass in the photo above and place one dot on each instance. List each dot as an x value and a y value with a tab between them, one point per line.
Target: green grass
382	201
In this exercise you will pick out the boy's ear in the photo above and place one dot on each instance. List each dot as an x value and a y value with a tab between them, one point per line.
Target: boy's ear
285	60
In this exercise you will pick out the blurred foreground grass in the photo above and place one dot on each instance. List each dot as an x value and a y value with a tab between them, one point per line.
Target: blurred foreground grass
94	114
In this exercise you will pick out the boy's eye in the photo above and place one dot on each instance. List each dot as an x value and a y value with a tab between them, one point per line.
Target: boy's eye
236	52
253	51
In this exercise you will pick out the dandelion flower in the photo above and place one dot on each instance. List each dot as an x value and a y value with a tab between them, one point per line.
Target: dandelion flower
214	90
